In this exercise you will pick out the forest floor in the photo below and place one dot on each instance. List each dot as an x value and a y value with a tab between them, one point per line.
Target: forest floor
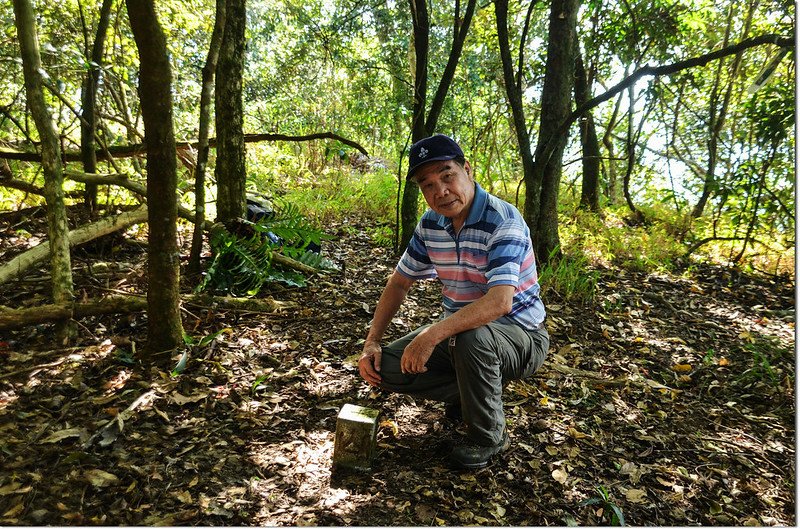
670	400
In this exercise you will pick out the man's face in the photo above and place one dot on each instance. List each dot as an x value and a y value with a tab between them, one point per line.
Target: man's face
448	189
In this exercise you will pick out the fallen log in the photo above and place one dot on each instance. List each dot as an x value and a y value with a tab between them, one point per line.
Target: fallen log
24	261
266	305
120	304
18	318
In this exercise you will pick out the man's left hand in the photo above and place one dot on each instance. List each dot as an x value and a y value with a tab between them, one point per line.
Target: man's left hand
416	354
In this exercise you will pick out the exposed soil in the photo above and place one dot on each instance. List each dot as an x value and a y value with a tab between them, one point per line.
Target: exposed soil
670	400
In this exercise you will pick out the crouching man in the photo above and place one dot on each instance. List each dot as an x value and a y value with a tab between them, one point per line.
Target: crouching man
492	330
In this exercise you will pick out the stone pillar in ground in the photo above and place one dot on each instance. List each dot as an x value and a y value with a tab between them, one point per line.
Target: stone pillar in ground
356	431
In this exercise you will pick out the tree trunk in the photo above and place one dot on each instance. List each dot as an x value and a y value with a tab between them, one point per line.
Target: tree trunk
202	139
514	95
421	126
230	170
164	329
89	104
57	227
717	116
630	156
589	142
612	179
421	32
556	101
461	24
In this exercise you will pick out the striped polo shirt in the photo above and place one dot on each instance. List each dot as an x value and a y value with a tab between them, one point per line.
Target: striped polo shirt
493	248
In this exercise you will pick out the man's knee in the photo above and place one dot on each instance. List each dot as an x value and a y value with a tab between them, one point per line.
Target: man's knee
476	345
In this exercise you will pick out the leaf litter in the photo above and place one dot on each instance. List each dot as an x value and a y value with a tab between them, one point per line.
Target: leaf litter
674	395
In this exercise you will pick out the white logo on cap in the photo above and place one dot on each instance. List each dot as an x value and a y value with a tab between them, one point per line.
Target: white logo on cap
423	152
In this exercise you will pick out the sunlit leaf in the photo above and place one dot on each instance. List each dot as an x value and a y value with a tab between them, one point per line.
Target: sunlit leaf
100	478
560	475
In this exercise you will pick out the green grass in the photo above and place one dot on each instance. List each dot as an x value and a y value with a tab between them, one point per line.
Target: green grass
330	194
571	277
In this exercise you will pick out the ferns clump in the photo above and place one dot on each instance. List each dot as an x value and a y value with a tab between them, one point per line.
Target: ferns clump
242	261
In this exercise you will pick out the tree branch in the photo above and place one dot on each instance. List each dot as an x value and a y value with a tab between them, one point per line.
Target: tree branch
138	149
658	71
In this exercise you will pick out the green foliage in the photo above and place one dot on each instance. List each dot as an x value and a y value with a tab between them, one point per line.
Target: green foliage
382	235
340	192
772	111
242	264
767	354
570	276
603	499
258	382
610	241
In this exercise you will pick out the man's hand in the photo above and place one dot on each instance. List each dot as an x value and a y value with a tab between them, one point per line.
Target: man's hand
369	364
417	353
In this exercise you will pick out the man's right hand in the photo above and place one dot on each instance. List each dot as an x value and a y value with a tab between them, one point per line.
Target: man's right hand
369	364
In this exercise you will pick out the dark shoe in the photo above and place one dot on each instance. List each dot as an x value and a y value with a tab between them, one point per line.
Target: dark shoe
453	412
472	456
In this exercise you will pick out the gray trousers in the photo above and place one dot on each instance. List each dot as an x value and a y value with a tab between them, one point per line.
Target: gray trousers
472	371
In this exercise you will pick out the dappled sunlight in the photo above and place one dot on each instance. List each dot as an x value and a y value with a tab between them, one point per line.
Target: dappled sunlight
7	398
244	435
305	465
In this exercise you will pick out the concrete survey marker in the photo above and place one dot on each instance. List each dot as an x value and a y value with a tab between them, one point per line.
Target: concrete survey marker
356	431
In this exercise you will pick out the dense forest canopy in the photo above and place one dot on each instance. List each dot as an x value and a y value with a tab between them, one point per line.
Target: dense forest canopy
707	146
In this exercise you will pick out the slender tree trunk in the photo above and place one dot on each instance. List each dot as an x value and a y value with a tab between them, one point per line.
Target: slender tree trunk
422	127
589	142
612	191
461	24
556	106
420	36
164	328
533	185
762	180
89	104
230	169
202	140
57	227
630	154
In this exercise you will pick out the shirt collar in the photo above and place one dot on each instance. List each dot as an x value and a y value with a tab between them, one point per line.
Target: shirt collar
476	210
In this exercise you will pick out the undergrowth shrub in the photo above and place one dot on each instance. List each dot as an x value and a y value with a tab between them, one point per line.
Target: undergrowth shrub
609	241
336	191
243	261
570	276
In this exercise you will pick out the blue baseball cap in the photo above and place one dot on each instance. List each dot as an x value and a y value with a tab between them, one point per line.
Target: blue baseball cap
432	149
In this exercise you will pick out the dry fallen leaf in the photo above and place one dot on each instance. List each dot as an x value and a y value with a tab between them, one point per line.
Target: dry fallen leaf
184	497
65	434
182	399
560	475
575	434
636	495
100	478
